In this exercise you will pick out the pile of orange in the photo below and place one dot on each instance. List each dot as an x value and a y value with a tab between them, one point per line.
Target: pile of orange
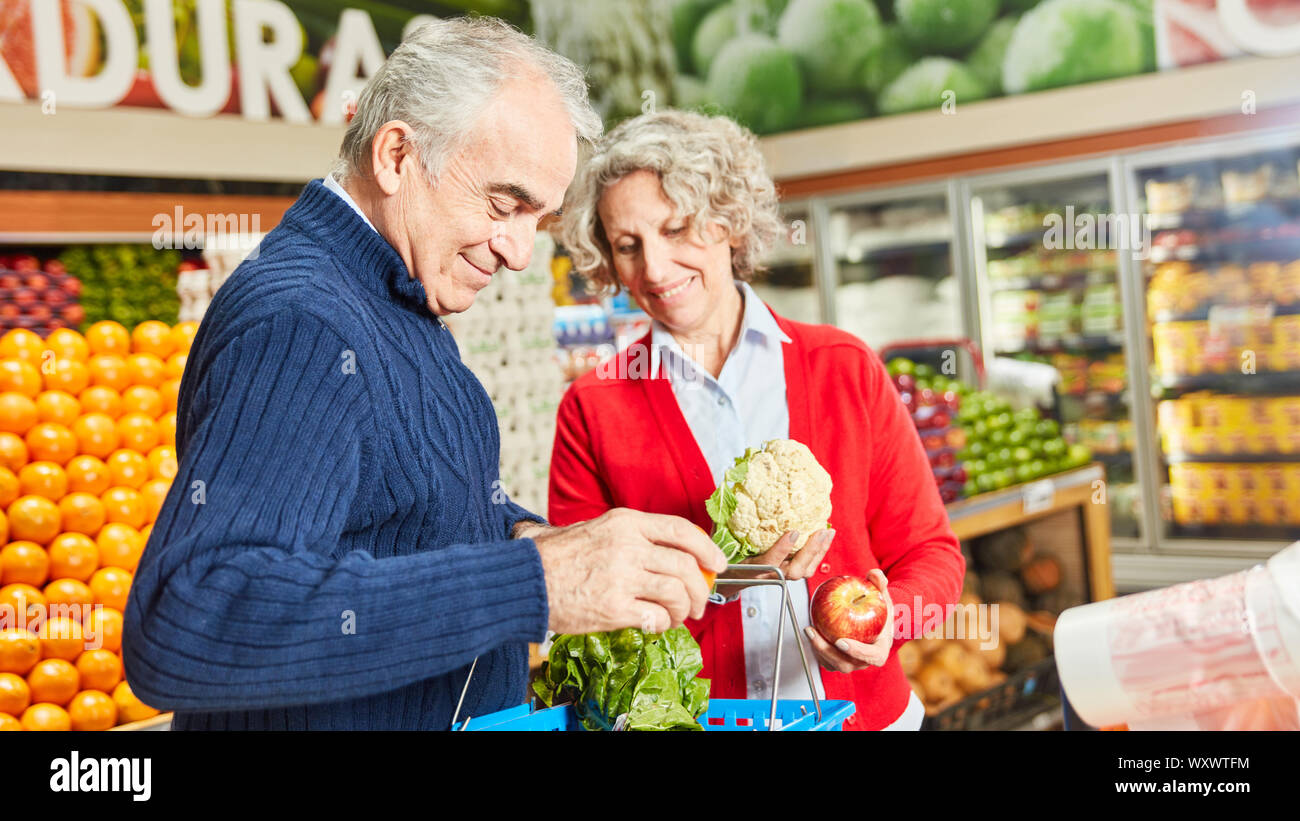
87	455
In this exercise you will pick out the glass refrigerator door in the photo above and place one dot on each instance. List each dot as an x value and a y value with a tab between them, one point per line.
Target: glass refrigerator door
1222	296
893	268
789	285
1054	296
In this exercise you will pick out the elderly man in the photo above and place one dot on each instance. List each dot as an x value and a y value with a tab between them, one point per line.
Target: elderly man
335	552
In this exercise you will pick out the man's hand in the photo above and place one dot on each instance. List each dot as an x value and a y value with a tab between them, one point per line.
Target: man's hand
626	569
847	655
527	529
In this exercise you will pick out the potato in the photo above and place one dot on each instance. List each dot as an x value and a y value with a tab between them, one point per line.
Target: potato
1011	622
910	658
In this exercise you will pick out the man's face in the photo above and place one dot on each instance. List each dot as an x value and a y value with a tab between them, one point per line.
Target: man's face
483	211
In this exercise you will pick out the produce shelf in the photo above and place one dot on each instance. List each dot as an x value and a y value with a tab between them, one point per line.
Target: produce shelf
1203	314
1053	282
74	217
1018	504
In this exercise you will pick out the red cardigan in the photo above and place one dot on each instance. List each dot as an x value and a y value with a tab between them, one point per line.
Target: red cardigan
621	441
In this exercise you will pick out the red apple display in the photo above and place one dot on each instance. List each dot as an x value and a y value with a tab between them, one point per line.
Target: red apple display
847	607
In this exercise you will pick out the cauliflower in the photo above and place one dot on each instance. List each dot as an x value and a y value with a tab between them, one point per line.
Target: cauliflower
767	493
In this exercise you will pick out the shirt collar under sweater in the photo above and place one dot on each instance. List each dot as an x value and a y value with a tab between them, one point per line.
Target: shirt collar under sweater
364	253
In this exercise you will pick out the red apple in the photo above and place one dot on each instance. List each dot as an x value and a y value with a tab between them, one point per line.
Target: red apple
72	285
26	263
54	268
73	313
847	607
10	281
37	282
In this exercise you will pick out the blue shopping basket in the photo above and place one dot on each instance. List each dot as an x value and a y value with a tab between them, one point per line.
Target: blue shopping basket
725	714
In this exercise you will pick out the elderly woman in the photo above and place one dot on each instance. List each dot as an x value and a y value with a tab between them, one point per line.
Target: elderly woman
677	209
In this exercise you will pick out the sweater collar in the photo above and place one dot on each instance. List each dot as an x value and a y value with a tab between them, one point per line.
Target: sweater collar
365	254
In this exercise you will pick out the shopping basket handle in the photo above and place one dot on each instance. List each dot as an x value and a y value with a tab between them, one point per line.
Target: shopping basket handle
788	607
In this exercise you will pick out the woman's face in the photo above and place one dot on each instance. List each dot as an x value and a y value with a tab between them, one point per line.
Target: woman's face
678	278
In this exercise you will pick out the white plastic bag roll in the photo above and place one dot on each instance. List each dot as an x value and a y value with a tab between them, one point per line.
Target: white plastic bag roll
1185	650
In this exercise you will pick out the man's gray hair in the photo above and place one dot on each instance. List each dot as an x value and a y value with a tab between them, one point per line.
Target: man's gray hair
442	77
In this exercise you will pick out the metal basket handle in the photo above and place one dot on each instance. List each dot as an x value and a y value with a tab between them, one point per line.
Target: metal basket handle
780	633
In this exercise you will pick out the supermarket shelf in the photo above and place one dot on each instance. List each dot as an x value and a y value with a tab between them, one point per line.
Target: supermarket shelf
932	245
1119	457
1236	533
1177	458
1263	382
1247	249
1203	314
1015	239
1053	282
1261	211
1113	343
64	217
1070	490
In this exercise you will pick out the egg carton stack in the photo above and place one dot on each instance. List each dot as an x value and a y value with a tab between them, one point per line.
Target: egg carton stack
507	339
196	287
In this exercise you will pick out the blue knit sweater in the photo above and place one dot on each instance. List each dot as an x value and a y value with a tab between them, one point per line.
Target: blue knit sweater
335	549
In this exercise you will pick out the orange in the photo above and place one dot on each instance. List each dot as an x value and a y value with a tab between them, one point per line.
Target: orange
167	429
110	370
54	680
57	406
21	377
125	505
45	717
153	337
128	468
120	545
100	670
183	335
146	369
169	393
24	563
4	528
137	432
34	519
69	375
23	344
73	556
96	434
67	593
17	412
145	532
19	651
142	399
154	493
162	462
110	586
82	513
13	451
44	479
101	399
50	442
92	710
8	486
68	344
15	694
176	365
108	337
25	599
88	474
61	638
130	708
9	724
105	626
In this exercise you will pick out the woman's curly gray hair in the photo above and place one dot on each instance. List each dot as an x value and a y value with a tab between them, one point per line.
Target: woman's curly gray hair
710	169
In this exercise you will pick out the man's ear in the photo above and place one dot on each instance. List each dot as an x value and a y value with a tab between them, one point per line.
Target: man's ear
391	155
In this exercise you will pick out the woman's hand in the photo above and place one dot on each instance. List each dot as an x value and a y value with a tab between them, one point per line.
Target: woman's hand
847	655
799	566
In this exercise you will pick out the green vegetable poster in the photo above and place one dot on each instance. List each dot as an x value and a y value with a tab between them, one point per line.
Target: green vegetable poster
776	65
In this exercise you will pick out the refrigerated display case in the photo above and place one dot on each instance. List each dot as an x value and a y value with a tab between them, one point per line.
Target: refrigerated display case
1221	291
1049	291
891	259
790	283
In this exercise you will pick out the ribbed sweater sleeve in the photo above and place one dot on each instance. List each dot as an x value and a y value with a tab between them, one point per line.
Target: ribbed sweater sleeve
244	598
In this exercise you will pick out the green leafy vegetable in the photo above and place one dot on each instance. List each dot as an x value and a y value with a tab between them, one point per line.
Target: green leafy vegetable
650	677
722	504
